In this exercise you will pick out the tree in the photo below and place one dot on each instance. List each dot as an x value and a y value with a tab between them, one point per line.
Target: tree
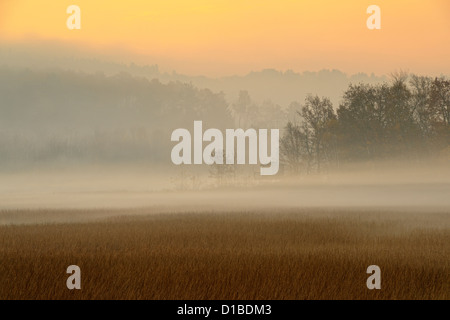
362	120
292	147
402	131
440	113
292	114
241	107
318	114
440	100
222	173
421	89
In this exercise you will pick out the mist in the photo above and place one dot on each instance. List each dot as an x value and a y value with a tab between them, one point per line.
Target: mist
80	133
278	86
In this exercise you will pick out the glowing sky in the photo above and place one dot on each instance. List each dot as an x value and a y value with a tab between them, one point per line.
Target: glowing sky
222	37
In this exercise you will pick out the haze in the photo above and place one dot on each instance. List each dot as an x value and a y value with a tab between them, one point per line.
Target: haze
223	38
86	115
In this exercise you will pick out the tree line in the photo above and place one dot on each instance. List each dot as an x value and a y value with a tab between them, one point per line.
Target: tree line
405	118
48	116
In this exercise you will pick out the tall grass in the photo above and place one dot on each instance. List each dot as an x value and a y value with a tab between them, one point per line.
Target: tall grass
317	254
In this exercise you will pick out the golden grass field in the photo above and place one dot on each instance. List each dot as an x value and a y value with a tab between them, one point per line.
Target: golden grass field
293	254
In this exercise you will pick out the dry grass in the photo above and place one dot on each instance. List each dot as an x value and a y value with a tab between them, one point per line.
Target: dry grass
306	254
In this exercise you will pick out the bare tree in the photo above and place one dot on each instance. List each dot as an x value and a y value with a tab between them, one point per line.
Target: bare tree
317	114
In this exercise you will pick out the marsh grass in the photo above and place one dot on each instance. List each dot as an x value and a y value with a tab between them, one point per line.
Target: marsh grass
304	254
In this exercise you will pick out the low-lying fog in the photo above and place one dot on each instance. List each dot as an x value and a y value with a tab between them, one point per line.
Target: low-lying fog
176	189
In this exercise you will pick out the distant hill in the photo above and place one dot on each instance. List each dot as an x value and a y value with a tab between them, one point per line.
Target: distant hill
281	87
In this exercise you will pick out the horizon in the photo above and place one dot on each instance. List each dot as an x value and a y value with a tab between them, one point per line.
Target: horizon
50	49
20	57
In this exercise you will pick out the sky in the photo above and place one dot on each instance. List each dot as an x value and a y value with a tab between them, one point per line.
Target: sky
225	37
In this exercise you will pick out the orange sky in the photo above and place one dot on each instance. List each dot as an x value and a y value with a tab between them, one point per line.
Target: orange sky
223	37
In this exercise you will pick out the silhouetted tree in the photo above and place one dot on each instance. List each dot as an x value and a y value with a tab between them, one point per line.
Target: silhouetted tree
317	114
